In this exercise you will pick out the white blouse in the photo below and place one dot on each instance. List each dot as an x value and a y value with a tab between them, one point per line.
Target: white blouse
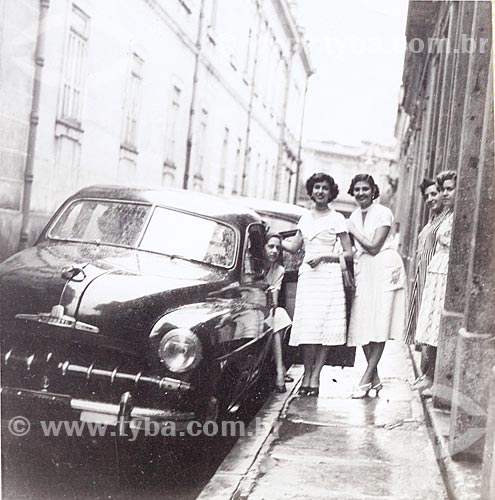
377	216
320	232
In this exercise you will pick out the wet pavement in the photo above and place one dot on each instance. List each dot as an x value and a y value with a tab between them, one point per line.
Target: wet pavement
334	447
41	468
75	471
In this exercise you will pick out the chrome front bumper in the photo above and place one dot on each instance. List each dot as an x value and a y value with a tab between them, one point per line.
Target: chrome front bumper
123	416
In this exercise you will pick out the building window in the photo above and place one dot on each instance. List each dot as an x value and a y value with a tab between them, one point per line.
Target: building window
224	161
132	104
253	185
201	150
236	187
75	68
172	127
269	170
168	175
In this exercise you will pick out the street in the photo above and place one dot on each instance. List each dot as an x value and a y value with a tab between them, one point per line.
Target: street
95	469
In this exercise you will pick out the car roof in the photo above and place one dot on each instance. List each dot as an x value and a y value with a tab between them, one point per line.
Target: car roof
285	210
182	199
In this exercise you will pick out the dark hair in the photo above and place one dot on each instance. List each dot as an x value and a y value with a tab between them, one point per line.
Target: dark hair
272	235
322	177
446	175
268	236
425	184
364	178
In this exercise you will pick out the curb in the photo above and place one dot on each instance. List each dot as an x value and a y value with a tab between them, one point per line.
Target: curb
462	479
236	465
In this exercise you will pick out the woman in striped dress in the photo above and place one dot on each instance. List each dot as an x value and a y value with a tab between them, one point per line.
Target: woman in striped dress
320	314
424	253
430	311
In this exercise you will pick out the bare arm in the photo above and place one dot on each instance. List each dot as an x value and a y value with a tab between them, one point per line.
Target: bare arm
294	244
345	241
371	246
334	257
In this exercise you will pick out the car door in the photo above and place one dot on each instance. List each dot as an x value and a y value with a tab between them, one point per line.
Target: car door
337	355
251	323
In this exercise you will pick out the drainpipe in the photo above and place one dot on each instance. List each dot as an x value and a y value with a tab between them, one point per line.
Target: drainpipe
192	109
33	124
299	160
247	147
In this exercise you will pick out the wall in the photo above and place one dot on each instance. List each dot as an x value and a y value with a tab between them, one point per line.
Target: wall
119	104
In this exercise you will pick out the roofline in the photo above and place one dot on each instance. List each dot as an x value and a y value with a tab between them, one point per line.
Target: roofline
295	35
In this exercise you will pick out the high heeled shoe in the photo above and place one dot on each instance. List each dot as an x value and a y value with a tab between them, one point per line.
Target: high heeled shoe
313	392
361	391
427	393
418	380
303	390
377	388
280	389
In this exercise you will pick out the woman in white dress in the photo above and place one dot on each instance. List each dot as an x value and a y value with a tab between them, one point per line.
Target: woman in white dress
430	311
378	311
274	275
320	314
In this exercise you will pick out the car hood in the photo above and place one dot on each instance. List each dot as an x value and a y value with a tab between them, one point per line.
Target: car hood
122	292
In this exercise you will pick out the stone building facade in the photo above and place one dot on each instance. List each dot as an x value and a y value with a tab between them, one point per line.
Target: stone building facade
446	121
201	94
343	162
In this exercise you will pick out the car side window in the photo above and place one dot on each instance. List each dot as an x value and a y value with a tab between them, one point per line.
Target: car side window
252	267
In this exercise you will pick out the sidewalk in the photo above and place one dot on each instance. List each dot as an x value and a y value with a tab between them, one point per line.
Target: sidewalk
334	447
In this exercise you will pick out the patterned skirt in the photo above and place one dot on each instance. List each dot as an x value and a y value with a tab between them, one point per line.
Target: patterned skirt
319	315
430	312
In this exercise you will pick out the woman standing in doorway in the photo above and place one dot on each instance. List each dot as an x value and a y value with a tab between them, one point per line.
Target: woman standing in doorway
378	312
430	312
320	314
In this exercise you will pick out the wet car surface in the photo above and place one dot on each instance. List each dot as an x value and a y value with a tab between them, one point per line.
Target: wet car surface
135	307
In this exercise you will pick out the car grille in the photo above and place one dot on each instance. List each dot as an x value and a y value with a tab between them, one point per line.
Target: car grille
42	359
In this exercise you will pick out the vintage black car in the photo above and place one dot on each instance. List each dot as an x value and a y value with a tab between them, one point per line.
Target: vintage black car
136	305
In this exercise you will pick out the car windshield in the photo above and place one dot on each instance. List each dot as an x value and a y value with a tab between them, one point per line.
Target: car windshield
169	232
100	221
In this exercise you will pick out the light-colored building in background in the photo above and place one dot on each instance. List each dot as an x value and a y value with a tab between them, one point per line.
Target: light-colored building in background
343	162
203	94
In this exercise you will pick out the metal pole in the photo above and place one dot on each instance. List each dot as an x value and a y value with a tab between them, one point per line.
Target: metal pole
299	160
39	62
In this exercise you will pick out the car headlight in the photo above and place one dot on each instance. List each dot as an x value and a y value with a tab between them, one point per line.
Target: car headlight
180	350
